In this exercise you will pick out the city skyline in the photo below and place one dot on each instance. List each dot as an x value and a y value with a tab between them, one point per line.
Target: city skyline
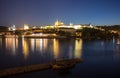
44	12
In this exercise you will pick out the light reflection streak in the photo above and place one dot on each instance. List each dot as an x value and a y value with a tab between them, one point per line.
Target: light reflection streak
39	44
0	42
78	49
70	52
116	52
12	44
25	48
32	44
45	43
56	48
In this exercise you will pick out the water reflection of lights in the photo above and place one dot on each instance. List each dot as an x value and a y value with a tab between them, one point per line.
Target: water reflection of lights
45	42
0	42
71	52
25	48
12	44
117	52
117	49
102	43
56	48
78	48
32	44
118	42
39	44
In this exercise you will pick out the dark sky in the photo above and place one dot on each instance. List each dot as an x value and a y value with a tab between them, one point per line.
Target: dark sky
46	12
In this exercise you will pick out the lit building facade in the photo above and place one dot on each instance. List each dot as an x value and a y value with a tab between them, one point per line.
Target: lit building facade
26	27
12	28
59	24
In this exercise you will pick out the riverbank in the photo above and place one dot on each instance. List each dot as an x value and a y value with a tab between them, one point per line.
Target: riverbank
25	69
31	68
57	36
31	36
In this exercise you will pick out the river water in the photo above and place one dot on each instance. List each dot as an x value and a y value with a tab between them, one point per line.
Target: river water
101	57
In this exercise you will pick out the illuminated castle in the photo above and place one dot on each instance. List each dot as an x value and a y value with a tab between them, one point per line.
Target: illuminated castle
58	23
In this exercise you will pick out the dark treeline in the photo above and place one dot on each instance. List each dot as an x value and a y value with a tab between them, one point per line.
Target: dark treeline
91	33
3	28
112	27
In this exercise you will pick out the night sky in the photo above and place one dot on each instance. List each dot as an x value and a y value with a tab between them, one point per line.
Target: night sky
46	12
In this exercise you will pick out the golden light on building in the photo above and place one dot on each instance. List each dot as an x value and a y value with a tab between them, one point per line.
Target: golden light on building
77	27
78	48
56	48
58	23
26	27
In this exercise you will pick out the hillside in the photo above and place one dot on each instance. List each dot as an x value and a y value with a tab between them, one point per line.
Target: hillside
3	28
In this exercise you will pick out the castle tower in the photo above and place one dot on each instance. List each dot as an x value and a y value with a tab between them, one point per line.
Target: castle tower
57	23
